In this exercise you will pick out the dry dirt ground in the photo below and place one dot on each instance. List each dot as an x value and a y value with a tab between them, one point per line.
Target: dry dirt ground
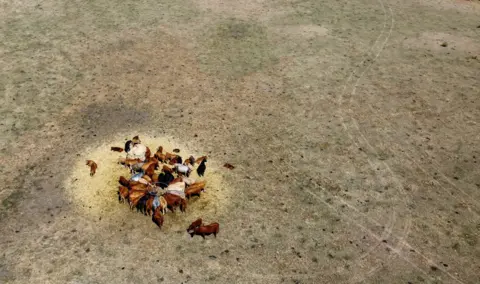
353	126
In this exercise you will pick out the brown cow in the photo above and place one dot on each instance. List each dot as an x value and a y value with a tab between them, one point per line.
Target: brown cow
149	164
135	196
167	169
128	162
93	167
159	154
156	162
149	168
175	201
193	190
205	230
169	156
160	149
148	153
124	181
196	223
173	161
155	179
147	178
163	204
199	160
149	205
138	186
177	179
157	217
122	193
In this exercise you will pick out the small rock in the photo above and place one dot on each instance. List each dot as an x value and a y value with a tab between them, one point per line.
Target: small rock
212	257
444	44
180	271
87	250
123	268
433	268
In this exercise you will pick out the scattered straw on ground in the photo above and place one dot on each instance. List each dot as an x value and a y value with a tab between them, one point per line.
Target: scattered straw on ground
97	196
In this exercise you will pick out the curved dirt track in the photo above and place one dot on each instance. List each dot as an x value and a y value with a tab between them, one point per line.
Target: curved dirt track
353	128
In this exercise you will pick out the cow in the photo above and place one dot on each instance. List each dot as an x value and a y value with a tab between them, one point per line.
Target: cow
162	204
205	230
135	196
193	190
195	224
93	167
149	205
164	179
169	156
142	204
175	201
124	181
167	169
200	159
122	194
201	168
159	154
148	153
157	217
182	169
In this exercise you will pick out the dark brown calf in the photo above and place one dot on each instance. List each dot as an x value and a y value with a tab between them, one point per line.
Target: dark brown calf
205	230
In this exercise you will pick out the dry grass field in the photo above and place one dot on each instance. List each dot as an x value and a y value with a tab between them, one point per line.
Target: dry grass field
353	126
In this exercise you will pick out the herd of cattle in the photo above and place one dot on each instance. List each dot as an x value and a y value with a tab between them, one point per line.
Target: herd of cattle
159	183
